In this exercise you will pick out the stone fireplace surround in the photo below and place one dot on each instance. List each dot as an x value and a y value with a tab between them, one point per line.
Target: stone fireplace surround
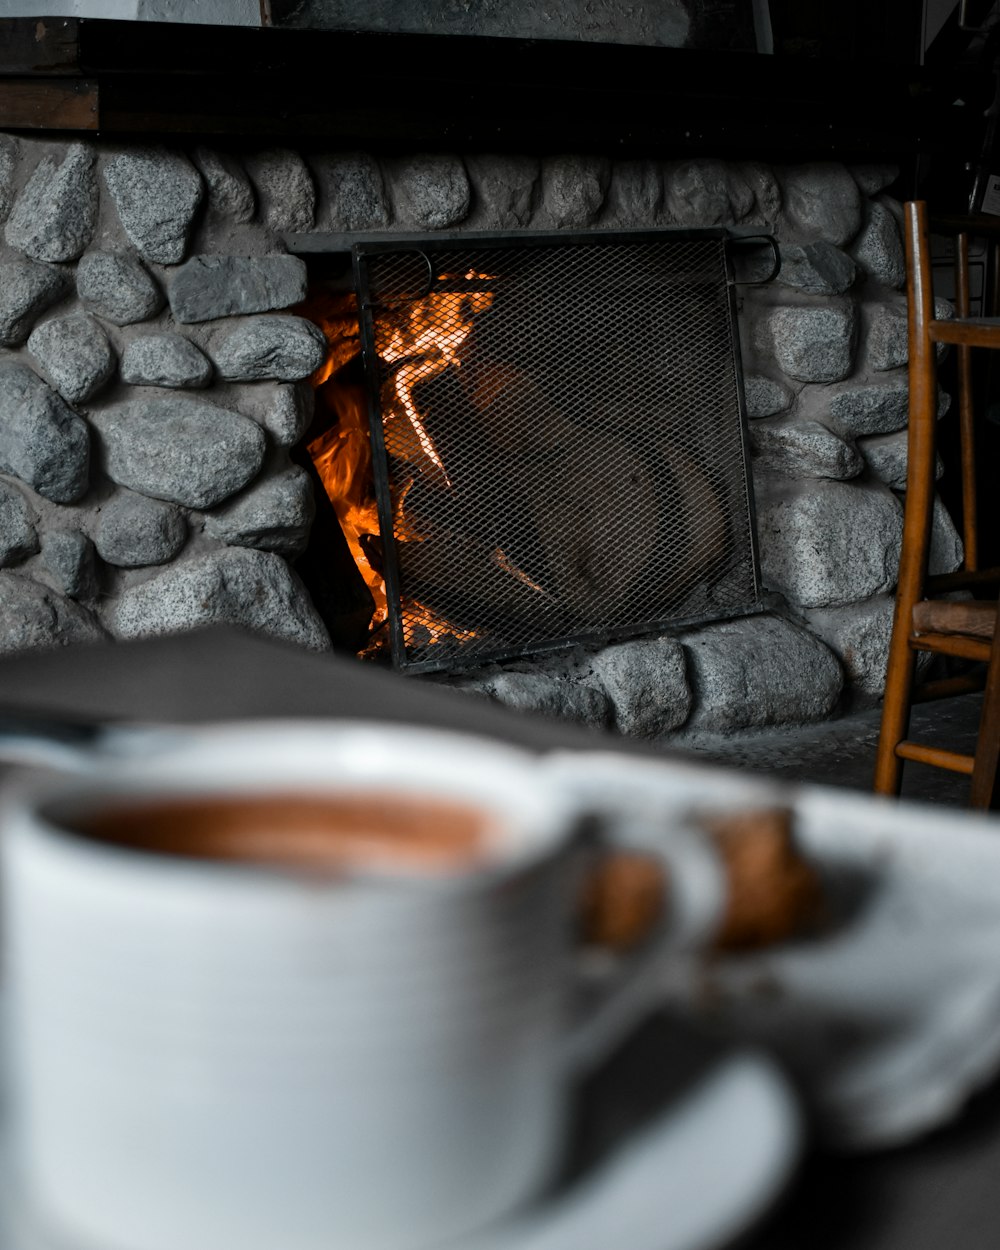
152	382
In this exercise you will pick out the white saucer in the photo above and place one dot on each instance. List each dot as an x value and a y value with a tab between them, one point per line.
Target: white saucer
890	1018
717	1142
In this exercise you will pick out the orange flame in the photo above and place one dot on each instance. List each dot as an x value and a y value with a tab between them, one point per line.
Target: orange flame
425	337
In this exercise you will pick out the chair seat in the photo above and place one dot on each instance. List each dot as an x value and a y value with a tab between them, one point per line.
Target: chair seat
972	618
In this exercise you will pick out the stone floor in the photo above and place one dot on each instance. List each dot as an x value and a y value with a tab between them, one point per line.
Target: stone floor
842	752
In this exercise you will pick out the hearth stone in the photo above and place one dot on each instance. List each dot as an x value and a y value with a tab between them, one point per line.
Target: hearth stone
165	360
825	362
75	355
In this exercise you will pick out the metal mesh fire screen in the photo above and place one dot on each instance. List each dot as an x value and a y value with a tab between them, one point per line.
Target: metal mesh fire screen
558	438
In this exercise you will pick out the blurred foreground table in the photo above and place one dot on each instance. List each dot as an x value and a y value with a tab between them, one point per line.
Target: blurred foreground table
943	1191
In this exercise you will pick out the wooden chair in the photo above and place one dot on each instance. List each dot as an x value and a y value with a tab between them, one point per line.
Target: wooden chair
923	622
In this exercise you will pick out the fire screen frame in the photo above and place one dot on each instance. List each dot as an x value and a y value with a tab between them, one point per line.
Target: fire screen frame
429	247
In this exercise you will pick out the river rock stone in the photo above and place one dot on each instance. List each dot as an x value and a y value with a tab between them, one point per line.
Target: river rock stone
888	346
697	193
234	586
646	680
764	396
8	169
26	289
18	537
55	214
284	410
858	635
573	190
820	201
352	192
635	194
36	616
274	514
946	551
825	543
230	195
206	287
539	692
429	192
505	190
804	449
758	671
817	268
182	450
766	190
286	196
165	360
811	344
157	194
872	179
42	440
118	287
133	530
283	349
68	556
878	249
878	408
75	354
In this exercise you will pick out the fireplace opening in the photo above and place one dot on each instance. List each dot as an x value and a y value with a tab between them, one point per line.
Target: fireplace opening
535	442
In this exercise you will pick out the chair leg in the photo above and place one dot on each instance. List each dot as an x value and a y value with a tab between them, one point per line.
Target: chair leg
895	709
983	792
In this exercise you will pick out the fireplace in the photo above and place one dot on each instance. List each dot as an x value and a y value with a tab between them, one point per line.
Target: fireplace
154	425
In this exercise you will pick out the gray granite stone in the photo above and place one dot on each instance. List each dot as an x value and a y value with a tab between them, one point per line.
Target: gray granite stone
18	536
352	192
946	551
813	343
573	190
8	171
206	287
42	440
872	179
878	249
635	194
68	557
764	396
33	616
234	586
284	410
859	635
875	408
55	214
886	456
804	449
275	513
887	337
820	201
182	450
543	693
27	288
75	355
165	360
118	287
157	194
697	193
825	543
230	195
759	671
505	190
766	190
282	349
286	196
646	680
741	192
817	268
429	192
132	530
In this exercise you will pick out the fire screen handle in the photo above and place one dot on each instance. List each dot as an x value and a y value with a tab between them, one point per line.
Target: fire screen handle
755	240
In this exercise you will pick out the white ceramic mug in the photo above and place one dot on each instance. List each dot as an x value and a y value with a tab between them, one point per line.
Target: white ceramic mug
214	1054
